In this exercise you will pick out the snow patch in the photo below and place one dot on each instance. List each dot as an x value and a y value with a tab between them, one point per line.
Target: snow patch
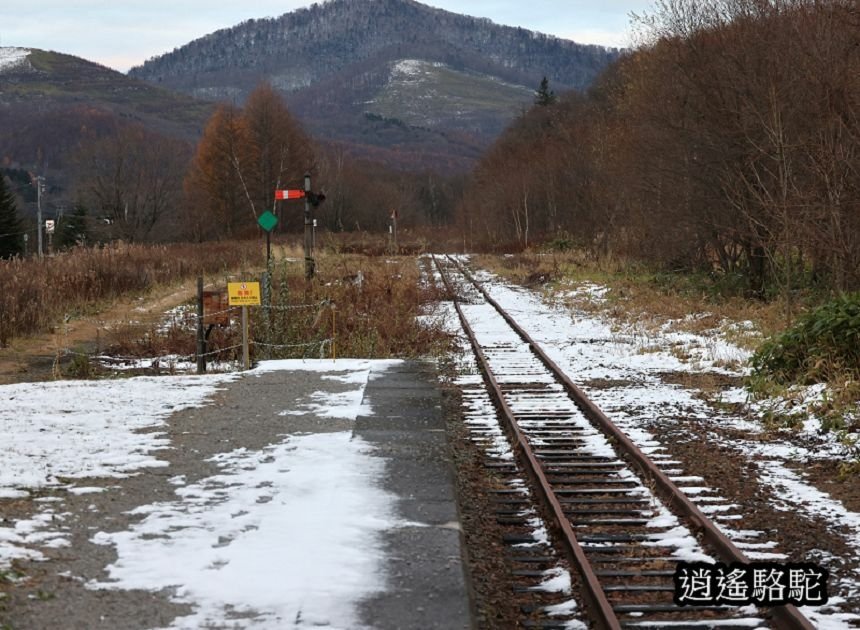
290	532
11	57
413	67
79	429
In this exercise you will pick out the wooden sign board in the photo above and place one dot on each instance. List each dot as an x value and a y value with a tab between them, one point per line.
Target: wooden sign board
244	293
216	308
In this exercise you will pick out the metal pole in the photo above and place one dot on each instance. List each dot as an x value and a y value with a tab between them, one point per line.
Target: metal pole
39	180
268	248
267	313
246	353
309	251
201	337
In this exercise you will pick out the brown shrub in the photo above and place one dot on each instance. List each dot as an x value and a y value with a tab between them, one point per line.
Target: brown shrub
35	293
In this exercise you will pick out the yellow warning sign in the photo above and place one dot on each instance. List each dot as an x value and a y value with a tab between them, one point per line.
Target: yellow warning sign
244	293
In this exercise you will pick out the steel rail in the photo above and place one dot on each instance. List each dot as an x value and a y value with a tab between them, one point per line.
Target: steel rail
788	615
596	598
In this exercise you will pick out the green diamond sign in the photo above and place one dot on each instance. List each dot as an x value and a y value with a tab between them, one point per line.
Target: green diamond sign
267	221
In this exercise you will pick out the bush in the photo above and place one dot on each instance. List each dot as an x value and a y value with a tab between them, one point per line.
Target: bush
821	345
561	243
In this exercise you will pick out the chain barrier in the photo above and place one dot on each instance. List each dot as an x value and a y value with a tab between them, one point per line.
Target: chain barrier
213	352
296	307
170	357
196	316
290	307
323	343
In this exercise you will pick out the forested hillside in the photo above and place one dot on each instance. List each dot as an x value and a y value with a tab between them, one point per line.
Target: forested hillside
338	64
51	101
306	46
729	143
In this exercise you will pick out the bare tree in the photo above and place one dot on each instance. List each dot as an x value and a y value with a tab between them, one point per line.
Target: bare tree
132	179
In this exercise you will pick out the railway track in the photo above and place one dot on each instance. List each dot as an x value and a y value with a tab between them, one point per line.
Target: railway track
615	514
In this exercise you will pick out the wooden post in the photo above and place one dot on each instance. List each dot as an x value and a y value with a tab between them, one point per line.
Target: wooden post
201	335
246	353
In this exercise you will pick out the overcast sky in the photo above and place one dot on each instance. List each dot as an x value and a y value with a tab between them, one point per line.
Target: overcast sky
121	34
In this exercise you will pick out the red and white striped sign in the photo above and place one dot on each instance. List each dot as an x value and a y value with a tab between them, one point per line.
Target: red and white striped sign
289	194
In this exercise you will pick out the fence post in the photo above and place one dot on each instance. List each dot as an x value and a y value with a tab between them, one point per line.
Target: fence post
266	284
201	337
333	332
246	353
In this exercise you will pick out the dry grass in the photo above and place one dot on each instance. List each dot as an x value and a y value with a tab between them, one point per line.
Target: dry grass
409	241
377	303
370	305
36	295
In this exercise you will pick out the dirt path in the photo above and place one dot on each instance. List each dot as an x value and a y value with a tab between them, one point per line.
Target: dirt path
34	358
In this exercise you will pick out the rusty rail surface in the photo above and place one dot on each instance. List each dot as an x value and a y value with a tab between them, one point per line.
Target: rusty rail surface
597	601
788	615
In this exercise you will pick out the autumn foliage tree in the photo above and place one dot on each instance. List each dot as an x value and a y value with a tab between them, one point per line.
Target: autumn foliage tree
243	157
215	202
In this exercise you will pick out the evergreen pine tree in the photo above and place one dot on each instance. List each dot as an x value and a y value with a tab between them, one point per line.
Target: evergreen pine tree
11	230
544	96
73	228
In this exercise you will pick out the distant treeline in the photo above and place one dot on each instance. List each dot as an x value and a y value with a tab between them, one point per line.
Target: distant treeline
729	141
137	185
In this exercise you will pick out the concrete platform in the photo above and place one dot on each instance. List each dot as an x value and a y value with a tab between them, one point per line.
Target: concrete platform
278	499
427	585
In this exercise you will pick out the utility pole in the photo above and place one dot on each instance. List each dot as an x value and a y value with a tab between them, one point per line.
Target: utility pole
39	187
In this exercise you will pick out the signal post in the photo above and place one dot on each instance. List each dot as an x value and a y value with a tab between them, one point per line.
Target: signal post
311	199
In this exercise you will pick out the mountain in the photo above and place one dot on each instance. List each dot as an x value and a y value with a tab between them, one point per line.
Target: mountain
49	101
395	79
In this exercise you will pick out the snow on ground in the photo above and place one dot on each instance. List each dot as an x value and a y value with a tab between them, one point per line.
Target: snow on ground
415	68
11	57
57	431
287	535
79	429
290	533
591	347
494	334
